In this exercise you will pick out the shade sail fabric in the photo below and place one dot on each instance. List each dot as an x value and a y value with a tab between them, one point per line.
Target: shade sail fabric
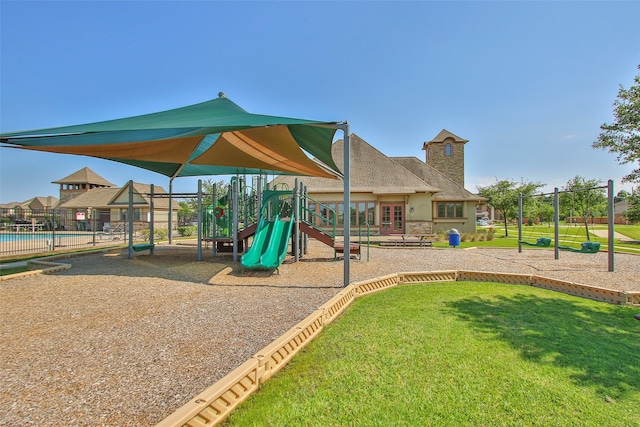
215	137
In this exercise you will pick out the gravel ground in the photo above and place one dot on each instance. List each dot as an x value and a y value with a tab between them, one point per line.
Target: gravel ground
123	342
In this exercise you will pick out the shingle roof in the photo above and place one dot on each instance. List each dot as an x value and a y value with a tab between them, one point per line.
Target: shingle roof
371	172
104	197
96	197
12	205
48	202
85	176
443	135
450	190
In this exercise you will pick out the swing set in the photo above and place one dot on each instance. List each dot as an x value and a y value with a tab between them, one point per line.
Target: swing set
540	241
588	247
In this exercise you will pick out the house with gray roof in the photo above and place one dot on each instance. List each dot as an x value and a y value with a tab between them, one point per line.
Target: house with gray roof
80	182
398	195
100	204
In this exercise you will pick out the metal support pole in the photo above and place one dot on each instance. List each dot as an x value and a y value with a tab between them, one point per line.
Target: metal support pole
92	220
305	203
234	225
519	222
347	203
170	219
296	225
199	220
611	217
151	227
214	223
259	201
130	219
556	221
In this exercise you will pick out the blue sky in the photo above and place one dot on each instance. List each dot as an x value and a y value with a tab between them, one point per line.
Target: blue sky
527	83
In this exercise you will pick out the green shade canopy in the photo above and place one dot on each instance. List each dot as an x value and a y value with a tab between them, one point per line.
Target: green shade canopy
215	137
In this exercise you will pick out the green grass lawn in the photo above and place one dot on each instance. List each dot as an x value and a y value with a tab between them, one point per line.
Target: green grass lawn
12	270
572	236
471	354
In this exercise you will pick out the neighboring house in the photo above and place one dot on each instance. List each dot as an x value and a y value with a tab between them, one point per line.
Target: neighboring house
80	182
105	208
43	203
33	210
398	195
35	204
619	209
88	202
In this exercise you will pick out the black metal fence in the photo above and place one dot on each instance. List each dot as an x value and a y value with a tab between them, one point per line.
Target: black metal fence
26	231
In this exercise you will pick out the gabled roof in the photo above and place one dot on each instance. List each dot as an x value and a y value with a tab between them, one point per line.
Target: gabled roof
19	205
85	176
449	189
141	196
49	202
119	197
444	135
96	198
371	172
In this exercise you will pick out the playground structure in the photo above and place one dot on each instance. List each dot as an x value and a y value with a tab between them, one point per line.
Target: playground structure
587	247
271	217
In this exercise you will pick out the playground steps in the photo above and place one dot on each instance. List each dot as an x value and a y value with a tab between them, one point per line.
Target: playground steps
338	247
316	234
247	232
354	248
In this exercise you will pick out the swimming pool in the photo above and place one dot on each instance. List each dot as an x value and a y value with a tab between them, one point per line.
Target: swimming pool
12	243
27	236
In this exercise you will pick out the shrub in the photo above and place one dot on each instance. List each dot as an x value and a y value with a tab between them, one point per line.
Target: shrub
158	234
187	230
161	233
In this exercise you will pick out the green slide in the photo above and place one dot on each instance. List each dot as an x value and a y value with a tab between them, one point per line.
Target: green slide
269	247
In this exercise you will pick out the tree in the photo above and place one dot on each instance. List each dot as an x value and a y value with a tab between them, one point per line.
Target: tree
622	195
189	208
623	135
222	188
185	213
544	209
632	214
584	200
503	195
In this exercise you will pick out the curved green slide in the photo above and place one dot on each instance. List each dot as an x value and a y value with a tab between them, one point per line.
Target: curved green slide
269	247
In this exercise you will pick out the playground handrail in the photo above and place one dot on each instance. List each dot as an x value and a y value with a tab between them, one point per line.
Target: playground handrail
310	216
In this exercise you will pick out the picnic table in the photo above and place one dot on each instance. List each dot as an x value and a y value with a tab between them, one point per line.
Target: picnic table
28	226
420	240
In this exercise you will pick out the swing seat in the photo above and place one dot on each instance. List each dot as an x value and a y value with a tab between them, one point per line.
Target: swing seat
542	241
585	248
143	247
590	247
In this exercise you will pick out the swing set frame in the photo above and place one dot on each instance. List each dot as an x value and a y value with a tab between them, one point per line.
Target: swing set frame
587	247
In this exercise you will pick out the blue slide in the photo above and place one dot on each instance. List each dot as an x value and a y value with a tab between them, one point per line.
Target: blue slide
269	247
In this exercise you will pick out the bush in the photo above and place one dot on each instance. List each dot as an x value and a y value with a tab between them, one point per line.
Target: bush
158	234
186	231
